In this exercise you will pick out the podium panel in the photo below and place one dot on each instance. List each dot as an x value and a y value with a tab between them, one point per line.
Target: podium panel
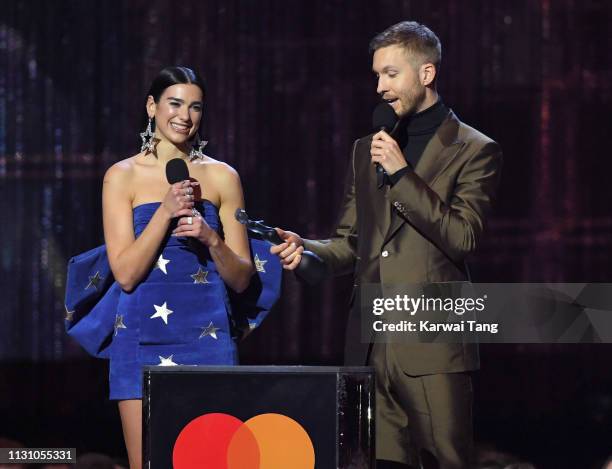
246	417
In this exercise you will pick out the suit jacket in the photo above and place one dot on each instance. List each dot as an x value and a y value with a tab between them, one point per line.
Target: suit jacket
419	231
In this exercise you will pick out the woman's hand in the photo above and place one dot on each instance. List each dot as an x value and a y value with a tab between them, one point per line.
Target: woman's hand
179	198
194	226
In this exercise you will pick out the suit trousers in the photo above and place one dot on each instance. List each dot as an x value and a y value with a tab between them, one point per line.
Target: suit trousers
421	416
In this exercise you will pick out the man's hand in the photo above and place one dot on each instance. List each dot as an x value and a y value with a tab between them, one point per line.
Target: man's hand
384	150
290	252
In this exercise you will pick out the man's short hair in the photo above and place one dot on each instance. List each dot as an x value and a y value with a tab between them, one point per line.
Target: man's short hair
417	39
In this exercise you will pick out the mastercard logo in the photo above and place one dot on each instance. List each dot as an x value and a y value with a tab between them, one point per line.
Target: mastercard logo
221	441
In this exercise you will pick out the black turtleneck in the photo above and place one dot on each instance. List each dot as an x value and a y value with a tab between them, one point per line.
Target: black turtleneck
414	134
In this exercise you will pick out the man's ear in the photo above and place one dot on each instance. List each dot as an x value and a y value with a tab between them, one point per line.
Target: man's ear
151	106
427	74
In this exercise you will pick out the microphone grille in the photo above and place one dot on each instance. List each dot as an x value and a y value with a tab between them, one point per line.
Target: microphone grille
176	170
383	117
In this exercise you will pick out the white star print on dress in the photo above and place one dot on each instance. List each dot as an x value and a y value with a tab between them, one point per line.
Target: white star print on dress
162	312
259	264
210	330
200	276
119	323
166	361
161	264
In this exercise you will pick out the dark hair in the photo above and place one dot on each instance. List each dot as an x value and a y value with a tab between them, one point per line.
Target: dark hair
174	76
417	39
167	77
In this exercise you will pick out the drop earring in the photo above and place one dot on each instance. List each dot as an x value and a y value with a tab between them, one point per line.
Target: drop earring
148	140
198	145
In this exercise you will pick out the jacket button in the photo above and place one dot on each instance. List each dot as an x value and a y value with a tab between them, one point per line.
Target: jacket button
385	254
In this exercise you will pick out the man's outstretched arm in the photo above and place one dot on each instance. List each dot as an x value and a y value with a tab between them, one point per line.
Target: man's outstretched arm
339	251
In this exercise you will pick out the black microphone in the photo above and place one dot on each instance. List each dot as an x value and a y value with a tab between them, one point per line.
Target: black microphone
383	118
311	268
176	170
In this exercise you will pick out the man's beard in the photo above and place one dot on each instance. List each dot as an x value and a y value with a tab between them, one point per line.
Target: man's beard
412	100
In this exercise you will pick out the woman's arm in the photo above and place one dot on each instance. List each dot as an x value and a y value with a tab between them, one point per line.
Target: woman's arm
232	256
131	258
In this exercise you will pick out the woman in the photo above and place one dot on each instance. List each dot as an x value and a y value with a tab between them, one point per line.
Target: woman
166	252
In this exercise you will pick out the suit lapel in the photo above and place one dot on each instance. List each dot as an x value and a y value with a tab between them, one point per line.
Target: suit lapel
438	154
440	150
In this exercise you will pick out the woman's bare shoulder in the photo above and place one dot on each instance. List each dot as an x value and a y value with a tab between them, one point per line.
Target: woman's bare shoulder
218	169
122	170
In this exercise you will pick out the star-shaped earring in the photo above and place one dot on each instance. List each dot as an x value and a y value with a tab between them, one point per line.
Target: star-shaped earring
151	146
197	152
149	142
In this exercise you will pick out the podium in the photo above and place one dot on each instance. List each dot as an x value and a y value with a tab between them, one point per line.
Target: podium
258	417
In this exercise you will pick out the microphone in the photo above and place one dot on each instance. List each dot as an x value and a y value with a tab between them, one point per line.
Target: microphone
383	118
311	268
176	170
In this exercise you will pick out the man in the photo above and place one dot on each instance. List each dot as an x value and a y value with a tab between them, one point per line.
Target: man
415	225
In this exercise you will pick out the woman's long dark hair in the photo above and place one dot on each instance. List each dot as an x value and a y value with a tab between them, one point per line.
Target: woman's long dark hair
167	77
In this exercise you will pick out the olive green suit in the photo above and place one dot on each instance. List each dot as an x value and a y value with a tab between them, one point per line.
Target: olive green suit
418	231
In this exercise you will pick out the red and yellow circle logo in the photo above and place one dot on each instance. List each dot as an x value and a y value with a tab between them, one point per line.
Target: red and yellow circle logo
221	441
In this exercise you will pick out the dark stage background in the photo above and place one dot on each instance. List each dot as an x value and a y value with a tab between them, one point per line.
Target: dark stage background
289	89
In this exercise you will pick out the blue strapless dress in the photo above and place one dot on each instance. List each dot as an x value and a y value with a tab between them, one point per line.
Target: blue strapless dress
179	314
